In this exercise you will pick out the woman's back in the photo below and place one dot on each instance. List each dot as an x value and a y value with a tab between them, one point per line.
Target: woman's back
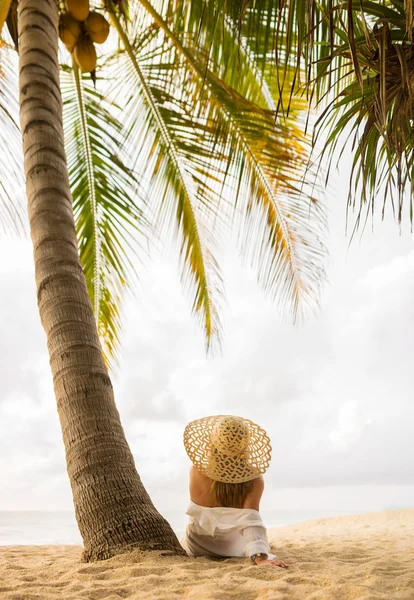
202	492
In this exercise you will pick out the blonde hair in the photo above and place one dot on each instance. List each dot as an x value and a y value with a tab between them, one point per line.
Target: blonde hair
231	495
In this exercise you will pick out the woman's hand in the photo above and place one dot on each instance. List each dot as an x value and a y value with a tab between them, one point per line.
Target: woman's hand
259	560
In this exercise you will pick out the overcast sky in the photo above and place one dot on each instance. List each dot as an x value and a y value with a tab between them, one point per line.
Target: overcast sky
335	394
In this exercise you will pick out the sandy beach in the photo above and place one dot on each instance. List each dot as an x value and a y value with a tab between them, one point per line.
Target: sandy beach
365	557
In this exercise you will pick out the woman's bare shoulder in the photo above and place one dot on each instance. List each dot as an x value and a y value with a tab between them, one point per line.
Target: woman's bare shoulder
198	480
255	495
197	475
258	487
200	492
258	483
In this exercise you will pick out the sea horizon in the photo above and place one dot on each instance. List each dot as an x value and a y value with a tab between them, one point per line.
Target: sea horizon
59	527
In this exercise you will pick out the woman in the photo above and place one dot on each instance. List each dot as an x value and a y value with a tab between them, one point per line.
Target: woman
229	456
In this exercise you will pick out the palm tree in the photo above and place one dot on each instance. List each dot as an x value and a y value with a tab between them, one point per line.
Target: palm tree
179	137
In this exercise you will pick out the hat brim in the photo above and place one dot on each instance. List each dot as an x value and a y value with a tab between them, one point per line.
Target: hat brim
253	462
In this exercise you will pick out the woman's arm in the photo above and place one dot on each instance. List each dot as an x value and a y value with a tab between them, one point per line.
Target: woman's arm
256	537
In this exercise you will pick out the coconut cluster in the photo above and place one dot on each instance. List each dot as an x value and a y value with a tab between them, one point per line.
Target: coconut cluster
80	29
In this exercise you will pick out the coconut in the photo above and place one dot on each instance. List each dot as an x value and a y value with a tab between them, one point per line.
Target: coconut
79	9
97	27
69	29
85	54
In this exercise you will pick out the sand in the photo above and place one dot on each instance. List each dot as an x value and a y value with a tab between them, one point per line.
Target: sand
368	557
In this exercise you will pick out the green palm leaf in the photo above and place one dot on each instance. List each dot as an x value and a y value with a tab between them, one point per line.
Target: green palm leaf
376	98
260	161
178	192
357	55
107	206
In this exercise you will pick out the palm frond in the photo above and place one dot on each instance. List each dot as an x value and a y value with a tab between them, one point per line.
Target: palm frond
264	160
106	197
12	206
179	192
378	103
357	56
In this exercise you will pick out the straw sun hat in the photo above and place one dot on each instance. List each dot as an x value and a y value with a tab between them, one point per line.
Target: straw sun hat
228	449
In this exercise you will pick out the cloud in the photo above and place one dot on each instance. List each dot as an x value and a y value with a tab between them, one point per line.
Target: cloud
334	393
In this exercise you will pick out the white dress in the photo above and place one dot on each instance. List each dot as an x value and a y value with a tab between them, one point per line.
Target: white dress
224	532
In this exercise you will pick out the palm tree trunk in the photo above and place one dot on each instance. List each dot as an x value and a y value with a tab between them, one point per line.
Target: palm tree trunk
113	509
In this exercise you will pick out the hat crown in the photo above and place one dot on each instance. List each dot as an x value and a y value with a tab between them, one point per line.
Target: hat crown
230	435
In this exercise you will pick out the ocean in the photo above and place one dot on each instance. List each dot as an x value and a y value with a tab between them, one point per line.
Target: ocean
59	527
